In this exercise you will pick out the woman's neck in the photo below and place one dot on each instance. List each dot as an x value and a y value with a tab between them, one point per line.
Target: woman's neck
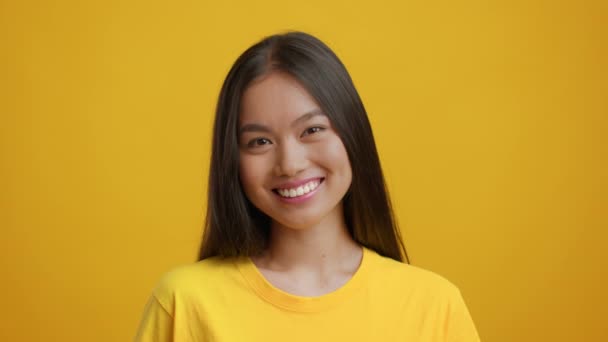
319	251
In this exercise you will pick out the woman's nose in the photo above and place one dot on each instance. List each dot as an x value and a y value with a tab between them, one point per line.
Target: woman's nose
291	158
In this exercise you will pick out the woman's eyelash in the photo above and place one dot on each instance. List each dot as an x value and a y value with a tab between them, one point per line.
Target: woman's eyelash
318	129
253	143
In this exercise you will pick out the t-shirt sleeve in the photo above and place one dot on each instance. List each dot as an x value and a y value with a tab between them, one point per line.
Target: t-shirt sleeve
156	324
459	326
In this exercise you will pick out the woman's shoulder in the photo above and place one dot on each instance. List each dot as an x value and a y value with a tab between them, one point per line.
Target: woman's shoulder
410	276
194	276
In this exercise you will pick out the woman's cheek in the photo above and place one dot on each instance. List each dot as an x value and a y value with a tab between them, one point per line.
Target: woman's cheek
334	151
252	171
246	172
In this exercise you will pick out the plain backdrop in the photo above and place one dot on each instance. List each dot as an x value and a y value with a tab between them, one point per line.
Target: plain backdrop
490	118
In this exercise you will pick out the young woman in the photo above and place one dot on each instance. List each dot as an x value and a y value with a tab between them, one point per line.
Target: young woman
300	241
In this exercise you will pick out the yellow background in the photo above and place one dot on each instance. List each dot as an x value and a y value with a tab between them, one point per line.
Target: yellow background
490	118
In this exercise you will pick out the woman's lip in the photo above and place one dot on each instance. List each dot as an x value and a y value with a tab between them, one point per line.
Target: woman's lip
299	199
295	184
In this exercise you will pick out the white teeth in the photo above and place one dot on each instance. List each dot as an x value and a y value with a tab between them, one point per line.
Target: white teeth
299	191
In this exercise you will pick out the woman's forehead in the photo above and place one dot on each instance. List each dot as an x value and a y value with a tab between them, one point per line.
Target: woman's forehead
277	97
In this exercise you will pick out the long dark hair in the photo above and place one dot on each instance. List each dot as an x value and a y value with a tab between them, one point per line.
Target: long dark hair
234	226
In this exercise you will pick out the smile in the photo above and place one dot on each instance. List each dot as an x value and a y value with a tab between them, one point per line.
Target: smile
303	191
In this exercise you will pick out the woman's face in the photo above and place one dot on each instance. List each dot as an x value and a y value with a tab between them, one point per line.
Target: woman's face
293	165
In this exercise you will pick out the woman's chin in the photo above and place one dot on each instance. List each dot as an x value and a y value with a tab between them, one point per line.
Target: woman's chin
300	224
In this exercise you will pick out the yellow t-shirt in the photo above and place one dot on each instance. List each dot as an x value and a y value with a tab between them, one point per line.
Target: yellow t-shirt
230	300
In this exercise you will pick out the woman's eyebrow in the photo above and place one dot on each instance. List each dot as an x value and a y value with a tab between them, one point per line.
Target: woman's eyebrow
254	127
307	116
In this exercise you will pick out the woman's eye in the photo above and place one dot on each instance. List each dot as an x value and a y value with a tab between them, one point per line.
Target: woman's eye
258	142
313	130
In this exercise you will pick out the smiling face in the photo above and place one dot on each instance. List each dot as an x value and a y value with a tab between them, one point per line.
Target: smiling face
292	164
